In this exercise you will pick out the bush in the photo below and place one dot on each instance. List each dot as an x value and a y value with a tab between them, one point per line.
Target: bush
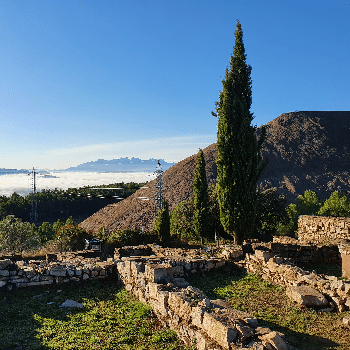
181	221
335	205
271	212
306	204
162	224
70	237
131	237
17	236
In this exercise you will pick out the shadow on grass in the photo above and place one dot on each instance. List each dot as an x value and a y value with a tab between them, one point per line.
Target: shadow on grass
302	341
217	279
212	282
17	323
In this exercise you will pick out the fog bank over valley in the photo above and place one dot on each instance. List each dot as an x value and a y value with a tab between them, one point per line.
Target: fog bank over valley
22	183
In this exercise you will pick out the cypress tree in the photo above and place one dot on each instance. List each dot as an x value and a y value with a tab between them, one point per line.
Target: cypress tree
162	224
200	190
239	161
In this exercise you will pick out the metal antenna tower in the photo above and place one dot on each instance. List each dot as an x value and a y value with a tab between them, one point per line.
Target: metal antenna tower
159	188
33	212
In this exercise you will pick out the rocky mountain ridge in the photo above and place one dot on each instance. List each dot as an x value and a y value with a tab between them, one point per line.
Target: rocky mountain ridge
121	165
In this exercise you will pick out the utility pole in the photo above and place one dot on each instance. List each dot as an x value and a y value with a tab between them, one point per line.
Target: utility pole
34	213
158	198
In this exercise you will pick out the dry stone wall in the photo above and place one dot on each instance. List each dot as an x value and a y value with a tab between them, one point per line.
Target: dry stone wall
304	254
55	269
323	230
282	272
160	282
158	278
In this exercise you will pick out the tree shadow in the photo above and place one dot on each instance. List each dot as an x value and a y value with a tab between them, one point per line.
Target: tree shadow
18	308
300	340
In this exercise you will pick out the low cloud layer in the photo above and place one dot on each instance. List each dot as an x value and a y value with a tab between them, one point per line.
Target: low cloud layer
22	183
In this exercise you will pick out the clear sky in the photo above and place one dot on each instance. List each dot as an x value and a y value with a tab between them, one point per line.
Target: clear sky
106	79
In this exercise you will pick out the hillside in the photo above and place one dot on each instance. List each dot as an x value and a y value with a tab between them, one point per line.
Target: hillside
306	150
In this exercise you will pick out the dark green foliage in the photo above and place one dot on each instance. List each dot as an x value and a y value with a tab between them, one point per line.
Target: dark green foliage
79	203
239	160
181	221
71	237
162	224
306	204
335	205
130	238
271	212
17	236
200	190
214	223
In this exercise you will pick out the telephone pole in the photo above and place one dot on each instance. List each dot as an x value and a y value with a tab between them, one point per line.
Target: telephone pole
33	212
159	188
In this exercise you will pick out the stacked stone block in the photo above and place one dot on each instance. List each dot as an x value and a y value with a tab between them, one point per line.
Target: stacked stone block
41	272
280	271
323	230
159	281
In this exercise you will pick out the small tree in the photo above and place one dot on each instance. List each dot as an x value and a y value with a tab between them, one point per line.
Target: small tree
335	205
17	236
271	212
200	190
162	224
181	220
308	203
239	160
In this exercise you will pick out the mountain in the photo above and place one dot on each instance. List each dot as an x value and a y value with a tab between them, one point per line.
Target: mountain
305	150
122	165
4	171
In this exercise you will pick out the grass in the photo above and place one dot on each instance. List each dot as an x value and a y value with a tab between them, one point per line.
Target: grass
304	328
111	319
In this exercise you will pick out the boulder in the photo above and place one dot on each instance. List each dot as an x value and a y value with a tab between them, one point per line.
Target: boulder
307	296
275	340
71	303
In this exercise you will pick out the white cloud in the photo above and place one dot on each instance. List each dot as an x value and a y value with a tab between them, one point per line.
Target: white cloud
22	183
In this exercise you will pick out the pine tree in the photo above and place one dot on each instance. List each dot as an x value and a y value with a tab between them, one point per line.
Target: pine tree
239	161
162	224
200	190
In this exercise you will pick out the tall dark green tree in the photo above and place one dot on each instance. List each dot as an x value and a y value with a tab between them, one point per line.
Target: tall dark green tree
162	224
200	190
239	160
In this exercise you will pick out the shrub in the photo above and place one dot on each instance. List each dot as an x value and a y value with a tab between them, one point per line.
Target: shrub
181	221
162	224
335	205
17	236
131	237
70	237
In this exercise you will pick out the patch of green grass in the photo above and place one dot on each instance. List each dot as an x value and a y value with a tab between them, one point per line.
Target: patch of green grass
304	328
111	319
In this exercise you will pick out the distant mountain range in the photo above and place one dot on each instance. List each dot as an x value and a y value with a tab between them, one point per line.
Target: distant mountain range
122	165
4	171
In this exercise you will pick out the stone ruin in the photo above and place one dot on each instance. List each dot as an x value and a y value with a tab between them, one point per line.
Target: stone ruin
157	276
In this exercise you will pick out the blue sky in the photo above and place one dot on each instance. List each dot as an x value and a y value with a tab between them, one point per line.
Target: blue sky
109	78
